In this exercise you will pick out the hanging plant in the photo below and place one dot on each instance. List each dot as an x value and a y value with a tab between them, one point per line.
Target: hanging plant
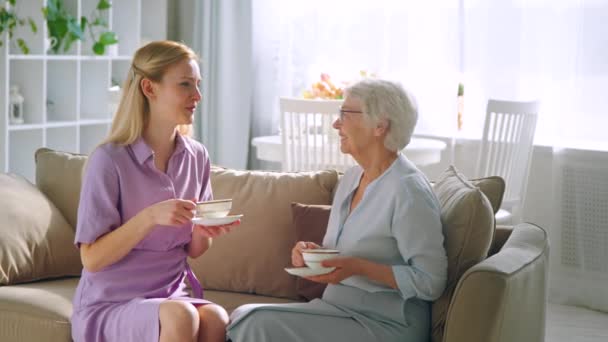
66	28
9	20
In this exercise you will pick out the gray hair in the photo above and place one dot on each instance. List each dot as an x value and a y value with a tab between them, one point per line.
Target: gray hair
386	100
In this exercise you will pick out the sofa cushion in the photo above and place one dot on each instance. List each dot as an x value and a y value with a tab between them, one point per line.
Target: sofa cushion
36	242
253	256
58	176
468	223
494	189
37	311
310	223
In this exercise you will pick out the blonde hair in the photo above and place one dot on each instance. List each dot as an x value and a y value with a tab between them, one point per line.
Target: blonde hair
150	61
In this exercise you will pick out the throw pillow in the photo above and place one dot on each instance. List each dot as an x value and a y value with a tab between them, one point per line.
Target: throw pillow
58	176
36	242
468	226
310	223
494	189
253	257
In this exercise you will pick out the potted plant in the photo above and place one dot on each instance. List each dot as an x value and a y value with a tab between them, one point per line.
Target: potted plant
9	20
64	28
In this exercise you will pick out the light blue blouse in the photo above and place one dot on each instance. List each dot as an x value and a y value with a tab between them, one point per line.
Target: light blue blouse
396	223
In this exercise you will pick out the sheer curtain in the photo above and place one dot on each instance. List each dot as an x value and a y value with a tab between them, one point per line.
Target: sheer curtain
555	51
413	42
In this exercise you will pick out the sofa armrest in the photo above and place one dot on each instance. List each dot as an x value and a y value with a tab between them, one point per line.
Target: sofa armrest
503	297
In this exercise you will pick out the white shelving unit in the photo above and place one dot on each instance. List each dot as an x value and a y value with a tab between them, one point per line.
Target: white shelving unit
66	98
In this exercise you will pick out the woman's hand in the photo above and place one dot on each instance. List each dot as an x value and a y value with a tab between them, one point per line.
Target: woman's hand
214	231
296	252
173	212
345	267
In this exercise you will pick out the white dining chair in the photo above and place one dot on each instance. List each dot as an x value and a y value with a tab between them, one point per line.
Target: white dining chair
506	151
309	141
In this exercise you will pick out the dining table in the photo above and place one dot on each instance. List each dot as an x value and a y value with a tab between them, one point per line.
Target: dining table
421	151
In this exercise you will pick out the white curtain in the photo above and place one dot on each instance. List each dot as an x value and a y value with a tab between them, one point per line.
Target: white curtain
555	51
414	42
222	37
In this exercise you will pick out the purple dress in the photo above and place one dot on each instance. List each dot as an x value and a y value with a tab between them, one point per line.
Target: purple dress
121	302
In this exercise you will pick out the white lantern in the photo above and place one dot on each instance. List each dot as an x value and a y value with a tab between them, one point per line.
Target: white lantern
16	106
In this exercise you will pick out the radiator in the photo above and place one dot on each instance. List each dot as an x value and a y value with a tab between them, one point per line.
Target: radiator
584	216
579	264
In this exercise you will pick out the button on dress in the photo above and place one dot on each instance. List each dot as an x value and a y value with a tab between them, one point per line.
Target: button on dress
121	301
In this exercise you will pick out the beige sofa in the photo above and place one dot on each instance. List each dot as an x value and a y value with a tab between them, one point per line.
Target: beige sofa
495	298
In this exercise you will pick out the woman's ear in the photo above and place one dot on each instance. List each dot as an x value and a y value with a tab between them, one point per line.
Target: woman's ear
382	127
148	88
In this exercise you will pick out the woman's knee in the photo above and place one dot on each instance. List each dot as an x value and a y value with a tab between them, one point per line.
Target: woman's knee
181	317
213	314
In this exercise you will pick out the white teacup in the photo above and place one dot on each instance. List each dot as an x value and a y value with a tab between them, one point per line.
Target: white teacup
213	209
314	257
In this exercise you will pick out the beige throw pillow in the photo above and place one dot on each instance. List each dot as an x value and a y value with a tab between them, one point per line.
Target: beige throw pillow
59	176
36	242
468	223
494	189
253	256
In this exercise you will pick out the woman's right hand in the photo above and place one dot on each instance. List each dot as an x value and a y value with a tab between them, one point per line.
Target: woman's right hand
296	253
173	212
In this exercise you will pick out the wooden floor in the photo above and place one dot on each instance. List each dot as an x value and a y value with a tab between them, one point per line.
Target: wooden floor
574	324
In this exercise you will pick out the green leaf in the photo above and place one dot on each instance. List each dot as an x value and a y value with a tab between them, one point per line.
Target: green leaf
74	29
83	23
103	5
23	46
58	28
69	39
12	2
108	38
99	48
51	8
33	25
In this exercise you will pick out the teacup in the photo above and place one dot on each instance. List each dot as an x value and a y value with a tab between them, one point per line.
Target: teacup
314	257
213	209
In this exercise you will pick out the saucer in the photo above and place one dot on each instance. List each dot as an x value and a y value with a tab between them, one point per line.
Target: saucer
215	221
308	272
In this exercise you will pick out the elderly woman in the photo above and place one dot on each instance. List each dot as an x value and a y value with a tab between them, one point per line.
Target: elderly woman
385	220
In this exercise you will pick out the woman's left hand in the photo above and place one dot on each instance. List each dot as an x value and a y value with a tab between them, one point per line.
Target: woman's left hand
214	231
345	267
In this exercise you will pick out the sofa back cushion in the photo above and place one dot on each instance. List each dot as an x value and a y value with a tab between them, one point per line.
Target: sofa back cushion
36	242
468	223
58	176
253	256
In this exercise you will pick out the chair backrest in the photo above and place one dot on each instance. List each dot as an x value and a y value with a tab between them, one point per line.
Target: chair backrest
308	139
506	146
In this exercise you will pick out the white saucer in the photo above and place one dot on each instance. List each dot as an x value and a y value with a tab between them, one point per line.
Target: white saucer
215	221
309	272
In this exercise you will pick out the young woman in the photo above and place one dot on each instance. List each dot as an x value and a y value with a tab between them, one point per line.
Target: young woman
134	220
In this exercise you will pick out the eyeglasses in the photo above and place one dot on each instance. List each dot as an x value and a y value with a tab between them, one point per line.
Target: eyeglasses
344	111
